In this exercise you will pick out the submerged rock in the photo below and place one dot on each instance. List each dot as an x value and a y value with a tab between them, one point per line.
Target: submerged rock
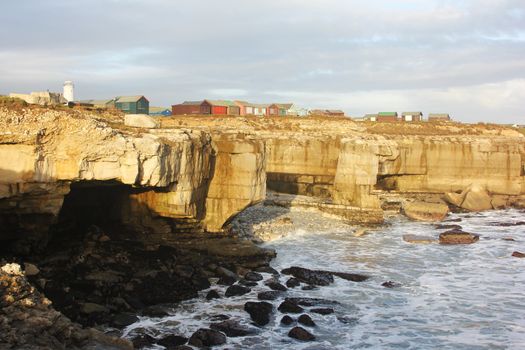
423	211
323	311
236	290
457	237
419	239
391	284
269	295
311	301
300	333
207	337
233	328
448	227
308	287
518	255
306	320
247	283
259	312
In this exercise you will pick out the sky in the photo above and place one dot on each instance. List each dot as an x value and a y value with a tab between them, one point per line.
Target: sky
463	57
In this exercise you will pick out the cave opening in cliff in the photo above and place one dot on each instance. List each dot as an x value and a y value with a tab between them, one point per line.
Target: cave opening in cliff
386	183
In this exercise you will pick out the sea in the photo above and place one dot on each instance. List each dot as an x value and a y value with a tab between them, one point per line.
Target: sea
444	297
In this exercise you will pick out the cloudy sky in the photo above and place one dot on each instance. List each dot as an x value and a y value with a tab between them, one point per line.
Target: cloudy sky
465	57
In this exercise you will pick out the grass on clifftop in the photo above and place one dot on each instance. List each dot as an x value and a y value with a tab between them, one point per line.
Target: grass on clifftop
12	102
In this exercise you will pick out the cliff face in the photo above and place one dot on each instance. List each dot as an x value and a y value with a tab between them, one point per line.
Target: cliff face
195	174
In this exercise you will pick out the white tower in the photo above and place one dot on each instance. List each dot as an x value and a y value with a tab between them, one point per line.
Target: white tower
69	88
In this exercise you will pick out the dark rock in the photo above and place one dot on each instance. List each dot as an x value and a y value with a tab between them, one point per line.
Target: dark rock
269	295
311	301
306	320
224	272
143	341
509	239
315	277
220	317
259	312
212	294
171	341
183	347
124	319
309	287
457	237
253	276
275	285
508	224
232	328
155	311
322	311
236	290
290	307
184	271
293	282
354	277
300	333
286	320
267	269
248	283
391	284
518	255
347	320
226	281
207	337
448	227
453	220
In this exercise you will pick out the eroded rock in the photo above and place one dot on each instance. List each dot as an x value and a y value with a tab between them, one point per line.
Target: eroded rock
207	337
259	312
300	333
457	237
423	211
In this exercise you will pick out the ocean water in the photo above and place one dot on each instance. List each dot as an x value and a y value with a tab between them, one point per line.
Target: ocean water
451	297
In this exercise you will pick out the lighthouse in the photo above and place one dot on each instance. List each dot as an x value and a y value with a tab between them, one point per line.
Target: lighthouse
69	88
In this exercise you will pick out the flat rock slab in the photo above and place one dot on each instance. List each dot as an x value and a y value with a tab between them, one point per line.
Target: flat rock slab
457	237
423	211
419	239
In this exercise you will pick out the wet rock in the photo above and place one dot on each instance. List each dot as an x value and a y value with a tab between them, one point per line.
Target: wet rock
247	283
259	312
508	224
354	277
91	308
224	272
286	320
183	347
31	269
322	311
213	294
453	220
419	239
300	333
391	284
171	341
448	227
423	211
253	276
311	301
290	307
518	255
155	311
267	269
232	328
457	237
509	239
143	341
308	287
315	277
293	282
219	317
275	285
306	320
226	281
269	295
124	319
347	320
207	337
236	290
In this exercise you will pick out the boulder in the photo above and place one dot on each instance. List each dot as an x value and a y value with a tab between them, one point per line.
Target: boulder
293	282
473	198
236	290
253	276
124	319
140	121
419	239
286	320
306	320
391	284
267	269
269	295
247	283
354	277
232	328
207	337
143	341
300	333
457	237
259	312
171	341
311	301
314	277
423	211
212	294
290	307
31	269
275	285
